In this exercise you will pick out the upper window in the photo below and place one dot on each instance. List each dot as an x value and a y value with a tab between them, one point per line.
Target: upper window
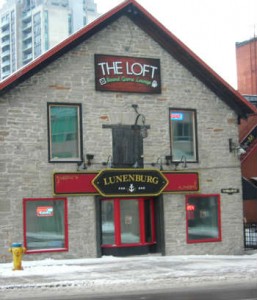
183	135
65	133
203	218
45	225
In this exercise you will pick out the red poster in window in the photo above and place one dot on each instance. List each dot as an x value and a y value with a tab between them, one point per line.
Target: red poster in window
127	74
45	211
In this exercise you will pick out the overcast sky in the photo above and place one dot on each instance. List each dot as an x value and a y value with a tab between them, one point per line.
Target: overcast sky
210	28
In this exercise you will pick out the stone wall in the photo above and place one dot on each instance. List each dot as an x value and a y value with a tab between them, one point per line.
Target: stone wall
26	173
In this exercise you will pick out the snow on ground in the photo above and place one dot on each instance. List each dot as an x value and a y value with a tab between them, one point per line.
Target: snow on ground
126	274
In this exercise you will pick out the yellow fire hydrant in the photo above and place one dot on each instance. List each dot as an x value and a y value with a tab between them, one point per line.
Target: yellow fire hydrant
17	251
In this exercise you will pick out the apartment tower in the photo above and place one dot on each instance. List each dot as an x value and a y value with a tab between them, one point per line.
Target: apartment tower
31	27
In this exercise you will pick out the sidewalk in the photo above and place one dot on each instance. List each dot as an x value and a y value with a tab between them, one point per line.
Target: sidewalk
126	274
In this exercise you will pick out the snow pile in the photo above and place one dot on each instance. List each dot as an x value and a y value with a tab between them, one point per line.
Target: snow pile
130	273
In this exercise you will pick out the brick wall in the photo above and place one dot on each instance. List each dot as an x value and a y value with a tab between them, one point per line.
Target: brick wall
246	57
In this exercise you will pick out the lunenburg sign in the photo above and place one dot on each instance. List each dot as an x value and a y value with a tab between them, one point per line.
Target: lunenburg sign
125	182
136	182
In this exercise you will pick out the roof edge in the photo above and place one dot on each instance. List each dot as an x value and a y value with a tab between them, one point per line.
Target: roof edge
161	34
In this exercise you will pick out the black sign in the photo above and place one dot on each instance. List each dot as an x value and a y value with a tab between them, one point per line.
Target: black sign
230	191
130	182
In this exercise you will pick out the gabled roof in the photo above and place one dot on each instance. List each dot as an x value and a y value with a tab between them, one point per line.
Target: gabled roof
157	32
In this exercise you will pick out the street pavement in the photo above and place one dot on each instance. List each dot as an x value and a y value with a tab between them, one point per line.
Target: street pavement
112	274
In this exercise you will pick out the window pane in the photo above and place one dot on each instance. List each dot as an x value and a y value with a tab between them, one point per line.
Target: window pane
183	134
129	221
64	132
107	222
45	224
203	218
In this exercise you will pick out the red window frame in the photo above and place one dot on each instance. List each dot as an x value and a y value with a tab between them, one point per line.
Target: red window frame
66	239
188	212
117	225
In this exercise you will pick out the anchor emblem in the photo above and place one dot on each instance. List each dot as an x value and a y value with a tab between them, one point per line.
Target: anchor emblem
131	188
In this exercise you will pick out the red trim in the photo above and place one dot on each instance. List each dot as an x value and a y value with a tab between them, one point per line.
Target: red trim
128	245
141	216
117	227
209	240
66	238
153	222
24	223
66	230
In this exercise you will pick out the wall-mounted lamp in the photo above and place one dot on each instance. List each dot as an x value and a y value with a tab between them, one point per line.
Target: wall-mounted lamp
184	161
135	165
158	162
83	165
233	147
89	157
108	163
143	127
169	161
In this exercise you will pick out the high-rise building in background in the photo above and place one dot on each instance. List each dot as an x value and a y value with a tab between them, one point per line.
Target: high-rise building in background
28	28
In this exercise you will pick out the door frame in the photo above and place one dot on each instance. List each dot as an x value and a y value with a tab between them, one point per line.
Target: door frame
156	246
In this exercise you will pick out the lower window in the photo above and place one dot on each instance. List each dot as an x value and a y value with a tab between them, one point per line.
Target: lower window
45	225
127	222
203	218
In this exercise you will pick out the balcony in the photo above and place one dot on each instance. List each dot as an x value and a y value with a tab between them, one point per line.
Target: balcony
27	58
27	27
5	43
26	16
27	36
5	74
6	64
5	33
5	24
5	53
27	47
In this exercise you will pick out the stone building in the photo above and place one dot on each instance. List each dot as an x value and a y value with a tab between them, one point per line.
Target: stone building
116	142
